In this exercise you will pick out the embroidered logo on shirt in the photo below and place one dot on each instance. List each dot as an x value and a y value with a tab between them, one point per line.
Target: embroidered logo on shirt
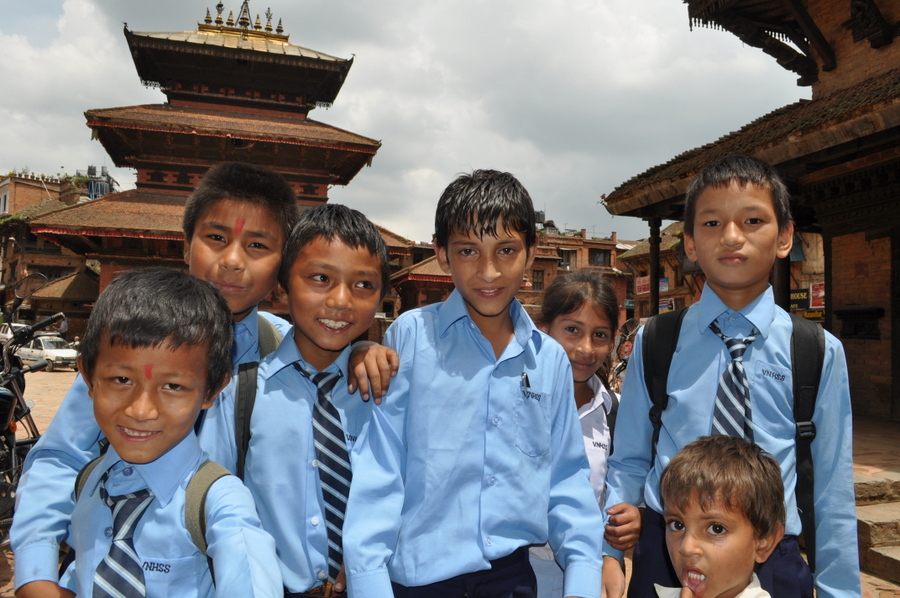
773	375
530	394
599	445
158	567
350	437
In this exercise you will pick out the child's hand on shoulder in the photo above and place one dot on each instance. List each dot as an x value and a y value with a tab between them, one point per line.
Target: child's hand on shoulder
370	369
624	527
43	589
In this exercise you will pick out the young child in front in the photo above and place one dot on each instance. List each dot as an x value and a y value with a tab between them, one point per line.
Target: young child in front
335	272
580	311
737	222
476	452
156	352
723	502
235	224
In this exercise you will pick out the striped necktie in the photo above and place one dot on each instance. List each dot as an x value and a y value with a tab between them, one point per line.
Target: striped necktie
333	464
119	574
732	414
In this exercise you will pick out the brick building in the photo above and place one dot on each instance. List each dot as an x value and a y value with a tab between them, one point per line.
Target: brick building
840	155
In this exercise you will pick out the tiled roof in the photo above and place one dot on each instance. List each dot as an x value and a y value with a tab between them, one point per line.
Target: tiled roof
218	40
74	287
166	118
785	134
392	239
670	237
140	213
427	269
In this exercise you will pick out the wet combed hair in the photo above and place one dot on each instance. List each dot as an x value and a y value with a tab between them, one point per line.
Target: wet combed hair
245	183
477	203
569	291
161	307
744	170
334	221
730	471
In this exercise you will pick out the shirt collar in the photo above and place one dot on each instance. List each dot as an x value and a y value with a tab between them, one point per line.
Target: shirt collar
246	339
759	313
164	475
454	309
601	398
287	354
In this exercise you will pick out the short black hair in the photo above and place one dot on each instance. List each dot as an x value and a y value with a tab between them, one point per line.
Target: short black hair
745	170
243	182
153	307
334	221
479	202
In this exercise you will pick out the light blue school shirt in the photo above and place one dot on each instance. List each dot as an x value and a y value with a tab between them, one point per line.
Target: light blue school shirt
243	554
469	458
45	496
282	471
699	360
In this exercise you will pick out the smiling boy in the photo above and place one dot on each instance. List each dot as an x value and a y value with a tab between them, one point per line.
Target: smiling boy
235	224
737	222
335	271
477	452
154	355
723	502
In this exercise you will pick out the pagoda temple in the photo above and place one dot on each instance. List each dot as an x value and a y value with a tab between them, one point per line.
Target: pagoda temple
236	90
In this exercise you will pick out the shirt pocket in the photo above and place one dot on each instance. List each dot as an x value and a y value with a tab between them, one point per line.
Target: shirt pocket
186	576
533	422
772	403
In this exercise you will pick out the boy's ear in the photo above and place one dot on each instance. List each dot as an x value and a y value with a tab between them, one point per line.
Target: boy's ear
210	397
85	377
766	544
690	250
532	251
785	241
187	252
442	258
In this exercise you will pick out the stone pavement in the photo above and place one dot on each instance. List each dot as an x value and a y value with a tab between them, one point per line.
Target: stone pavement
876	455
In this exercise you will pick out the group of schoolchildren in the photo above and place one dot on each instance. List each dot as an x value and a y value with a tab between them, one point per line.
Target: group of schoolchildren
485	465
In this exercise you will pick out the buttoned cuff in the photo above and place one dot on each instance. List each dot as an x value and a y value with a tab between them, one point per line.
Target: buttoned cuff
36	562
370	584
583	580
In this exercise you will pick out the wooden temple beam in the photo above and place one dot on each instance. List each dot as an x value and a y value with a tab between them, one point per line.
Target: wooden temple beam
813	34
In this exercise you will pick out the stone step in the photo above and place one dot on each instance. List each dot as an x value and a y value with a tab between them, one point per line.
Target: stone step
883	561
877	487
878	524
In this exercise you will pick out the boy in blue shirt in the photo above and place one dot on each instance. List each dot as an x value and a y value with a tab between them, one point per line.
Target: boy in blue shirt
737	221
335	272
154	355
235	224
477	451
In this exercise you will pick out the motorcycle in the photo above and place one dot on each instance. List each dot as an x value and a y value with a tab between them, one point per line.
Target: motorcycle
624	345
18	431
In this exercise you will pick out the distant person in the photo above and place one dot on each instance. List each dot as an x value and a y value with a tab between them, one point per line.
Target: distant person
476	452
155	355
723	501
733	343
63	327
580	310
76	343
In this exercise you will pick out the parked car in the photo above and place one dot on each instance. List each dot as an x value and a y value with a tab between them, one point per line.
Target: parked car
6	330
53	348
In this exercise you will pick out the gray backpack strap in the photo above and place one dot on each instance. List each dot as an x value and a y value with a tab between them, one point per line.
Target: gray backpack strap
195	505
269	337
83	475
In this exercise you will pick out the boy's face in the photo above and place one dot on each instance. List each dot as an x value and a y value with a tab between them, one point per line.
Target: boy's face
736	240
487	271
715	551
334	291
237	247
147	399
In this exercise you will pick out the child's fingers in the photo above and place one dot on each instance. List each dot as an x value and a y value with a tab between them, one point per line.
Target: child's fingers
357	379
687	593
340	584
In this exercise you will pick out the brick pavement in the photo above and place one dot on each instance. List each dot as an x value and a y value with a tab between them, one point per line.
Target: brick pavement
47	390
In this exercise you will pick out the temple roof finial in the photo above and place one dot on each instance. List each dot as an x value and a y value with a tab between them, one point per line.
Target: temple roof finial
269	20
279	30
244	15
230	21
219	8
208	19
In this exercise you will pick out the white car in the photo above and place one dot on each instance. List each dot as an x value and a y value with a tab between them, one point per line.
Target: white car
54	349
7	329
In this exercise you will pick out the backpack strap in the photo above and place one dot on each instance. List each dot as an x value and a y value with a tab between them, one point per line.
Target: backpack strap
611	417
245	395
659	343
807	358
198	487
83	475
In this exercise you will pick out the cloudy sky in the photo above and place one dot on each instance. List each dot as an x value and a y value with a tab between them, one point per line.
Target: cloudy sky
572	96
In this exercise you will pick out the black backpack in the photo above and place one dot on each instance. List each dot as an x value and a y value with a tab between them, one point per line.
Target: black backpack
807	357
